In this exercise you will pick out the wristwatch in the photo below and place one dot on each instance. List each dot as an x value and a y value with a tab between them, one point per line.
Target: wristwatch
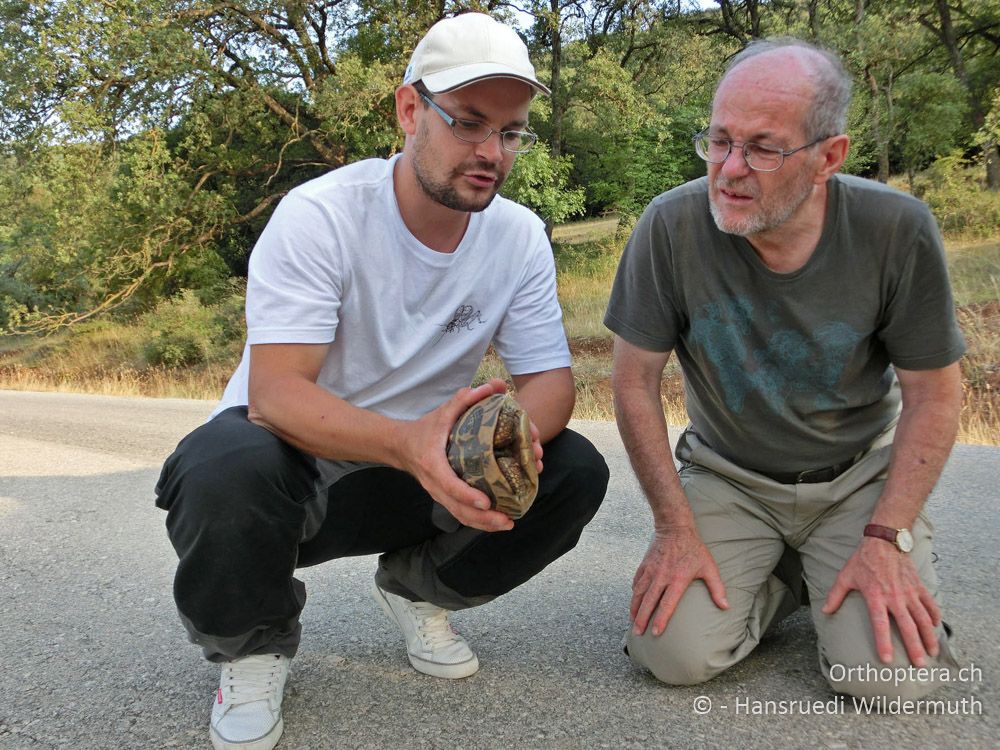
902	538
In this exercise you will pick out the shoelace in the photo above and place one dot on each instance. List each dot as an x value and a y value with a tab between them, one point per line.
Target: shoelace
434	629
250	680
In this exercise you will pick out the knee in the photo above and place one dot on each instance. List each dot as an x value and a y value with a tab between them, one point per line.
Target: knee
870	678
225	478
849	661
699	642
672	658
575	469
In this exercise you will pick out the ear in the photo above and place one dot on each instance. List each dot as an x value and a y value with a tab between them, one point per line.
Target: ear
407	102
833	153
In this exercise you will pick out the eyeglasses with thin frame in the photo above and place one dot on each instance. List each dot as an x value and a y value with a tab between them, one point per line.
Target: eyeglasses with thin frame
471	131
759	157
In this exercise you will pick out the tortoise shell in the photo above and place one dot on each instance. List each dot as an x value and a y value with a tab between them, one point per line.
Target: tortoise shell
490	448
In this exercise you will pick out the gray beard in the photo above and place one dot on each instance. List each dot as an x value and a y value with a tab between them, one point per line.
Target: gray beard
748	226
766	219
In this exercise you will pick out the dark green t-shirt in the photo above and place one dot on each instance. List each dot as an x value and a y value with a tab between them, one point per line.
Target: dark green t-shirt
787	372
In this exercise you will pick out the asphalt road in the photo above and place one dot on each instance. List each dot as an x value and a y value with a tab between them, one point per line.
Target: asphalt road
92	655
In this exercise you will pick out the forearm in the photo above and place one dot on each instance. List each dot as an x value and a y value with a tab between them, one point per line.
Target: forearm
676	556
316	422
643	429
923	440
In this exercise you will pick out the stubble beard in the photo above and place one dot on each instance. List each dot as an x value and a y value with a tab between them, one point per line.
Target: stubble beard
444	191
772	213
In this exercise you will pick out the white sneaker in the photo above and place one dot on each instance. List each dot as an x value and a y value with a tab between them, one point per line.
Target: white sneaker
432	645
246	714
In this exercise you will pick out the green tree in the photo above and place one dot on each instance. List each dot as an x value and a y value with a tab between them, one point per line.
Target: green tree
933	117
968	34
542	182
887	45
143	145
197	117
991	123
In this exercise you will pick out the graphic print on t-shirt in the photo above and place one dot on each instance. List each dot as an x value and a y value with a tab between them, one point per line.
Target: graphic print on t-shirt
751	355
465	317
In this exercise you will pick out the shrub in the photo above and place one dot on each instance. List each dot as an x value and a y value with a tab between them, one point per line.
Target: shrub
183	331
954	190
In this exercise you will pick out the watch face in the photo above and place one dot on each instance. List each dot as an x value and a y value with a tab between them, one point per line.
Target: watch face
904	540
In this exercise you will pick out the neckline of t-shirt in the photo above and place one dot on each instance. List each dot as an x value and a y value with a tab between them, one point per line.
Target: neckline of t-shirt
822	247
415	246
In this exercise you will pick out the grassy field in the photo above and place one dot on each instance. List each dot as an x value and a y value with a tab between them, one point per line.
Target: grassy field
109	359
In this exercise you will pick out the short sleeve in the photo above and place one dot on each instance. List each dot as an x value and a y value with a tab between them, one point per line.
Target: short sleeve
641	307
920	330
531	337
295	277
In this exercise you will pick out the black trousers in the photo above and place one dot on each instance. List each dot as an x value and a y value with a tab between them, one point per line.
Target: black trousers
245	509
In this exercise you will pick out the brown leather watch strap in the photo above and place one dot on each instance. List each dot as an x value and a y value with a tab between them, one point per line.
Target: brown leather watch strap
881	532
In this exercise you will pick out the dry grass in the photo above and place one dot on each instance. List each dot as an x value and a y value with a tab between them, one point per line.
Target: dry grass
107	359
980	421
154	382
975	275
975	272
583	300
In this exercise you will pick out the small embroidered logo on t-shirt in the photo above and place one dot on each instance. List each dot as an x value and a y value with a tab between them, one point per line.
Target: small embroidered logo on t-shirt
466	317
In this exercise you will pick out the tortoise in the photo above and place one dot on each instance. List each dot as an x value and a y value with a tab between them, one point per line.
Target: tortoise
490	448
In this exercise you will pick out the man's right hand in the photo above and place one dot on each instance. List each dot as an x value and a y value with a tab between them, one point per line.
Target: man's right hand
674	559
423	453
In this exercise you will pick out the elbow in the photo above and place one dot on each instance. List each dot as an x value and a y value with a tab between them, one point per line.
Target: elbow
257	408
561	414
263	401
933	395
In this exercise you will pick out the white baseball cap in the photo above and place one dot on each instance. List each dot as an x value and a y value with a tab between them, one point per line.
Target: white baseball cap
467	48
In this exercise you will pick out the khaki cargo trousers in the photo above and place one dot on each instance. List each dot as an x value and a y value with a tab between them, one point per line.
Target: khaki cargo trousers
766	538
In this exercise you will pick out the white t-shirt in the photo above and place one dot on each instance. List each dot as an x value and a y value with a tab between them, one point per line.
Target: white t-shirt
408	325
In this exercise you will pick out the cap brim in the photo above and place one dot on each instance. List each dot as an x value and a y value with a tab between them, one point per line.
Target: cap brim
456	78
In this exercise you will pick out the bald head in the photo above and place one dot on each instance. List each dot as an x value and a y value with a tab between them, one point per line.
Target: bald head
801	69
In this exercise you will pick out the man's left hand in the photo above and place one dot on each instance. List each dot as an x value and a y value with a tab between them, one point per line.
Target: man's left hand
891	587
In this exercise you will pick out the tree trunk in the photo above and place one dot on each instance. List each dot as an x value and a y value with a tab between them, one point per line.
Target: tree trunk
730	24
946	34
992	153
754	12
557	103
813	18
555	39
881	142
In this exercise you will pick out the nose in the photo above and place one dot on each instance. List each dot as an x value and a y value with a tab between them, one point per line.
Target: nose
735	163
491	149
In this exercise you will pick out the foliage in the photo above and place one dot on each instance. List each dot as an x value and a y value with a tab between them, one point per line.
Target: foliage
862	158
183	331
622	145
76	251
356	107
953	189
932	118
990	131
540	182
143	145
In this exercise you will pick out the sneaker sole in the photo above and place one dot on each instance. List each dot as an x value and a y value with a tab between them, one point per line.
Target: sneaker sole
434	669
266	742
